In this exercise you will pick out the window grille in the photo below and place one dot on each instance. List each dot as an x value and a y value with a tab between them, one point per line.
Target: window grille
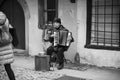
104	23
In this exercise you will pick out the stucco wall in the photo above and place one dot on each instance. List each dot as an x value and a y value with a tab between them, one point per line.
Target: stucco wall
67	11
35	42
107	58
73	17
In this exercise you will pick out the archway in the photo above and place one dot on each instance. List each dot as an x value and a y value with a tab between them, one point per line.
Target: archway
15	14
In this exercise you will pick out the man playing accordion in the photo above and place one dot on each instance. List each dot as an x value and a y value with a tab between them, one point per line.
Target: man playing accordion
61	39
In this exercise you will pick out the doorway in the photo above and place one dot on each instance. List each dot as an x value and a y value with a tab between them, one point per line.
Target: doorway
15	14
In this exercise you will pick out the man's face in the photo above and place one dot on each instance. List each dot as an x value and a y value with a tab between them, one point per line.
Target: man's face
56	25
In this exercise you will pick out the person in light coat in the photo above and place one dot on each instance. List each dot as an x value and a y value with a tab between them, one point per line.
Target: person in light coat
6	51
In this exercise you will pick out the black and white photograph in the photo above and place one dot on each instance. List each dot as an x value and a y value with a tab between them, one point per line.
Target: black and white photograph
59	39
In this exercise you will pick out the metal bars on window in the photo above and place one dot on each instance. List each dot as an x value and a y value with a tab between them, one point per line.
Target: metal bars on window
105	23
50	10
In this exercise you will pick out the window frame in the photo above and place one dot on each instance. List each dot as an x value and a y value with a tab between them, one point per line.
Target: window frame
88	31
41	12
46	10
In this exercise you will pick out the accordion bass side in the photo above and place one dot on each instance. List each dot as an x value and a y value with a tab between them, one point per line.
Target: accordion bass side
47	34
62	38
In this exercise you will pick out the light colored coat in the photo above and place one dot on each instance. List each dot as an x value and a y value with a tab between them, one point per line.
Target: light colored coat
6	54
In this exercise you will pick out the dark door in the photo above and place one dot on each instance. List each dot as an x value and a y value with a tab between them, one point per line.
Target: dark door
16	17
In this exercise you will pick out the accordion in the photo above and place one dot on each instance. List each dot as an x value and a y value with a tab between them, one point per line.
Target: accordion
61	37
47	33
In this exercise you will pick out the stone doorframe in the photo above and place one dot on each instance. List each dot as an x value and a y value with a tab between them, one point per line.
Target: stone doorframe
25	7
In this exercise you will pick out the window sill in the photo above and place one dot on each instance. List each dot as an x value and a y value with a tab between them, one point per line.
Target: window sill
102	47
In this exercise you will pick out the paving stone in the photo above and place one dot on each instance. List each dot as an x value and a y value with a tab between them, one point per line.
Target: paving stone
29	74
3	73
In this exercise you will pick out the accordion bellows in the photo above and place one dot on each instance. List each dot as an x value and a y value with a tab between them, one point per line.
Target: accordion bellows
60	37
6	54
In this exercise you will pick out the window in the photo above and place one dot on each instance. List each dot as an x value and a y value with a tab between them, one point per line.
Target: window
103	22
48	10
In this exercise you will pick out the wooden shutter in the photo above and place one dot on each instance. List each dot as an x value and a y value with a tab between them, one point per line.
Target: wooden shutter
41	13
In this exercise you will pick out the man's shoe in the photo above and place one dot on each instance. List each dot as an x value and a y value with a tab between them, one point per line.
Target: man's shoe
60	66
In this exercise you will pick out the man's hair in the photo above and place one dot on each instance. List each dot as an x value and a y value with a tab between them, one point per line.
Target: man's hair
58	20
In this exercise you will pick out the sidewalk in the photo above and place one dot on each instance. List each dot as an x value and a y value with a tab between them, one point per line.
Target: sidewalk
24	70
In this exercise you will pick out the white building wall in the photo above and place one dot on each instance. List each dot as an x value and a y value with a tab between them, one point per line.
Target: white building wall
67	11
97	57
73	17
35	34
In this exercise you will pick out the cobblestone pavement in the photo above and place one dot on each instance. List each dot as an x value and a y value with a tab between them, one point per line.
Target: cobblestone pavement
24	70
28	74
3	74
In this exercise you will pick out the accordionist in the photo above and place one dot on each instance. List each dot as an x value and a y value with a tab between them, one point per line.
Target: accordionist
60	38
